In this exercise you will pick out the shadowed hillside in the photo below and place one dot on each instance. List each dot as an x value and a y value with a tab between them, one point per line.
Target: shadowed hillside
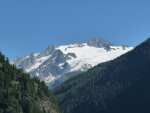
119	86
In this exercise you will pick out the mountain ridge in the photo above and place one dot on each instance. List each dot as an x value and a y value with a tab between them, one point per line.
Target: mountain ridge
54	64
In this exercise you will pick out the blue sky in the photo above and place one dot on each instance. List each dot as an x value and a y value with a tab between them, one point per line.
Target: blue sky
31	25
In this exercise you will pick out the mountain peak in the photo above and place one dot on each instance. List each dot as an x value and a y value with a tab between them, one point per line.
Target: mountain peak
48	50
57	62
99	42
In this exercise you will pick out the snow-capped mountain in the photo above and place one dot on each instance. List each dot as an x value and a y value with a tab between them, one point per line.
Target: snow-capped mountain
56	64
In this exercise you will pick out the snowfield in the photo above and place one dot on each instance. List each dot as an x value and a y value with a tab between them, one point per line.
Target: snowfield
91	55
54	64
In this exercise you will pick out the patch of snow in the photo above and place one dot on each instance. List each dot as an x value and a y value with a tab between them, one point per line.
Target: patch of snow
36	54
37	63
61	65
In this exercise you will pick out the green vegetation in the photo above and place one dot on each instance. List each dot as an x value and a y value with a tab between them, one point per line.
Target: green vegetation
118	86
21	94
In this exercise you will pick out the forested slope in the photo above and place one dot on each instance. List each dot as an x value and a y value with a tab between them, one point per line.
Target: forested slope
21	94
118	86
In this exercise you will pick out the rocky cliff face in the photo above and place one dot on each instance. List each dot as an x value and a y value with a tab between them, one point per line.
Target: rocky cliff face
100	43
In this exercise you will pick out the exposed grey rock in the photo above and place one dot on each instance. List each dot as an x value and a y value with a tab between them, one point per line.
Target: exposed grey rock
58	57
47	51
98	42
70	56
51	65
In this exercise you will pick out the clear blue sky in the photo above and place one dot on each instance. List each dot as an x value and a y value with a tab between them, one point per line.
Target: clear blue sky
31	25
